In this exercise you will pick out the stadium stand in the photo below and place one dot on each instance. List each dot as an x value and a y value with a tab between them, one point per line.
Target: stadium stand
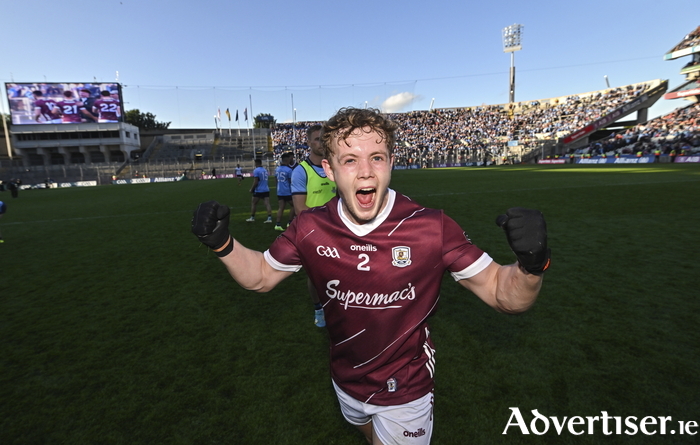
482	134
676	133
579	124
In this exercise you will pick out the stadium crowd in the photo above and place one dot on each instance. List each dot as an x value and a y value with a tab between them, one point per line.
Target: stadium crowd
691	39
480	134
676	134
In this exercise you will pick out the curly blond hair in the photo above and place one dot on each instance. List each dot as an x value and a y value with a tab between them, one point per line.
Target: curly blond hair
349	119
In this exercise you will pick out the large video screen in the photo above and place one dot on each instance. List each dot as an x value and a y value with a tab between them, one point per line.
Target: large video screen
64	103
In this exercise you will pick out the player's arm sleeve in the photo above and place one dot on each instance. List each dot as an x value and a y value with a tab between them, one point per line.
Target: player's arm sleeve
299	181
460	256
283	254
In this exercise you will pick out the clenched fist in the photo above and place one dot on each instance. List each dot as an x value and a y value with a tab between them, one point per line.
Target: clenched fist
526	231
210	226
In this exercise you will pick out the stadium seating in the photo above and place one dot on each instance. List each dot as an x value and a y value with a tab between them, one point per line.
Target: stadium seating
678	132
478	134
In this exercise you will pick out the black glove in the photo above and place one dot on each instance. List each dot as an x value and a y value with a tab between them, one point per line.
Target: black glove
527	235
210	225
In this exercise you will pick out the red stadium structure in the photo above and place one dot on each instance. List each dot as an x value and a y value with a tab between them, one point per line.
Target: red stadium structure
689	46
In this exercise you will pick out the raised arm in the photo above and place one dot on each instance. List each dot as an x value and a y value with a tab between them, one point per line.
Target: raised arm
248	267
514	288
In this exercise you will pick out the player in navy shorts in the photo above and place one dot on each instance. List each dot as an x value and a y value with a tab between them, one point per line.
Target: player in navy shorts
379	282
283	174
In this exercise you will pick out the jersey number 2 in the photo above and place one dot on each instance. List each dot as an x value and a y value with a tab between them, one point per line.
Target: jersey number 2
365	259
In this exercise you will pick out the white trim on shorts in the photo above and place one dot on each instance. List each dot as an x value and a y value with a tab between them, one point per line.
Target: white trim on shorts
410	423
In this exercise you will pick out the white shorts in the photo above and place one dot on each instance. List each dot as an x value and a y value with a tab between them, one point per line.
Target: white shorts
410	423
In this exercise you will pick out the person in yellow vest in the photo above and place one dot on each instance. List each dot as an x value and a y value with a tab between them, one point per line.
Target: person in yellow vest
311	188
673	155
657	155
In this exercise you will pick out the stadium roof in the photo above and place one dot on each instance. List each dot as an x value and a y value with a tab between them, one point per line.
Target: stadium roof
689	45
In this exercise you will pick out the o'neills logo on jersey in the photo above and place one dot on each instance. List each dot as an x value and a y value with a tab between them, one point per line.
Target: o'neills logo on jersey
369	300
365	248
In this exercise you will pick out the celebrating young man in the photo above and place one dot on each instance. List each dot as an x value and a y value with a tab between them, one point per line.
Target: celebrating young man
377	281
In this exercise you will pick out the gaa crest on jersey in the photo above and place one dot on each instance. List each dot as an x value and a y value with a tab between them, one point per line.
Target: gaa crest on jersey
392	385
401	256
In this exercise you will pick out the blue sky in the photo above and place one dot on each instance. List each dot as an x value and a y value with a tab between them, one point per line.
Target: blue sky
183	60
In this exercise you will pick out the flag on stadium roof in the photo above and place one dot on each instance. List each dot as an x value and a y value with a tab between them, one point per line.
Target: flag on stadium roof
245	114
236	115
228	114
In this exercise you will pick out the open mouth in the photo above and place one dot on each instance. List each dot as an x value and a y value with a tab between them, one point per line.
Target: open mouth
365	196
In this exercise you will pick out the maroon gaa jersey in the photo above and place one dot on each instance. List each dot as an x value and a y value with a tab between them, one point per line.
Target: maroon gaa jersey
378	283
45	107
71	110
108	109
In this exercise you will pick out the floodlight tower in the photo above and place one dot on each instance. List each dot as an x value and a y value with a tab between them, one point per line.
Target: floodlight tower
512	42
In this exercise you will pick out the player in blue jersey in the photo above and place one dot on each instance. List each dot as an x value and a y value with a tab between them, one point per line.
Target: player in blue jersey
260	190
283	173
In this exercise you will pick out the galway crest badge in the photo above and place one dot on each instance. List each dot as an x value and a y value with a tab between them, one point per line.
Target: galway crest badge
401	256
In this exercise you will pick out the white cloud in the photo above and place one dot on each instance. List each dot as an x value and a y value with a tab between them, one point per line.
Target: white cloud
398	102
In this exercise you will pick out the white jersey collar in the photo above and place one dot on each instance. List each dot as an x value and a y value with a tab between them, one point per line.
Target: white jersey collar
365	229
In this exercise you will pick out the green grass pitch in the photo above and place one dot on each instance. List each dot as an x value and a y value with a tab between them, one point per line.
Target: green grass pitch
117	327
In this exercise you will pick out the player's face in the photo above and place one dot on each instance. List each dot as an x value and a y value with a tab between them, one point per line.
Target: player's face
361	169
315	143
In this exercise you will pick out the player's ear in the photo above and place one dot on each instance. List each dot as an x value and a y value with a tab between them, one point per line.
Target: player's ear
328	169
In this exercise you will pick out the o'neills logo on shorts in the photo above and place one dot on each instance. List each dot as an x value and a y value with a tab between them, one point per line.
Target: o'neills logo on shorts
419	433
